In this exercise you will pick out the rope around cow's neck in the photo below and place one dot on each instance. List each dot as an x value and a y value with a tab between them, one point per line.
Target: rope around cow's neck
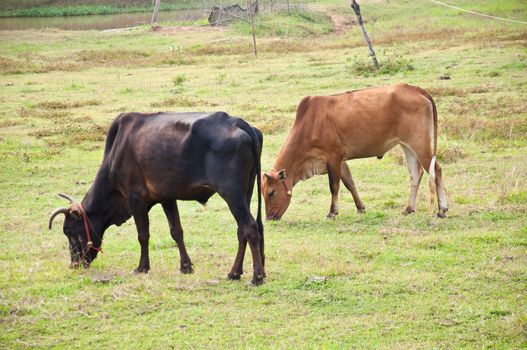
87	223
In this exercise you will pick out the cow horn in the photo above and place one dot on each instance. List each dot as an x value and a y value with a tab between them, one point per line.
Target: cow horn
70	198
56	212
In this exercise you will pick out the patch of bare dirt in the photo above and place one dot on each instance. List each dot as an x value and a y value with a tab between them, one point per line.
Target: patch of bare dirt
341	23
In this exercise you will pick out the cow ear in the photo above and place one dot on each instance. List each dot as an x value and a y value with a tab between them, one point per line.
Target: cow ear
269	177
282	175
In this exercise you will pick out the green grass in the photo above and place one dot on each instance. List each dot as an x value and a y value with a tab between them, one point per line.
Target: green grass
38	8
302	23
378	280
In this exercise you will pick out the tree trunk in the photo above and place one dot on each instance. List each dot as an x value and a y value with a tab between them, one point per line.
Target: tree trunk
356	8
251	18
155	15
288	8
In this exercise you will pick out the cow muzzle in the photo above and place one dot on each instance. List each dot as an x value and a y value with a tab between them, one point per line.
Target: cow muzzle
273	217
80	254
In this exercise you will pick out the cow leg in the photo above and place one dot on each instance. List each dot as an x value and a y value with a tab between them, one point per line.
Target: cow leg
143	235
247	225
250	230
416	173
346	178
441	192
171	211
334	182
252	179
424	156
237	267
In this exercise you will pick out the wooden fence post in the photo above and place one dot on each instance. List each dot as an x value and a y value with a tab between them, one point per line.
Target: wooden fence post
251	18
356	8
155	15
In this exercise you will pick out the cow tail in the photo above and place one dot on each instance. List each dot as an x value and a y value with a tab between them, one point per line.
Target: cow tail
257	150
431	169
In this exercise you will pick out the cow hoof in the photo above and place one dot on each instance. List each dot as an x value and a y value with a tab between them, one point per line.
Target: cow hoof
234	276
442	213
408	211
142	270
331	216
361	210
186	269
257	281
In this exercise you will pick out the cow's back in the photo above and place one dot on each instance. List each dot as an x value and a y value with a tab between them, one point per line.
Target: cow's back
360	123
168	153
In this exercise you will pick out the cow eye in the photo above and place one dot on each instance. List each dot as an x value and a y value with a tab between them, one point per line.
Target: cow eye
271	194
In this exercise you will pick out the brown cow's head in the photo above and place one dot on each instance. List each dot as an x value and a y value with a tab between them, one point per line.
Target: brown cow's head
277	195
75	231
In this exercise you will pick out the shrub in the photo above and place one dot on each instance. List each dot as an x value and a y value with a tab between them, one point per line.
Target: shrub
389	65
179	80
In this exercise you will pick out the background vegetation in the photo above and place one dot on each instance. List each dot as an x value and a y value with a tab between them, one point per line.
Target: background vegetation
47	8
50	8
378	280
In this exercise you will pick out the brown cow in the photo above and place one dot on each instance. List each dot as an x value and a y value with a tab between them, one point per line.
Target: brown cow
329	130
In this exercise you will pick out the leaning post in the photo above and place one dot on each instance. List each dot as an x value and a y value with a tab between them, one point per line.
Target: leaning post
356	8
251	18
155	15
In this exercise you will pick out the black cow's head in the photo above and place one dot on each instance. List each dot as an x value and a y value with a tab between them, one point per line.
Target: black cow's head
75	229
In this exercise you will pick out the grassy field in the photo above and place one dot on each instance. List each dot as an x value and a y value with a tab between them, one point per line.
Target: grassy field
50	8
379	280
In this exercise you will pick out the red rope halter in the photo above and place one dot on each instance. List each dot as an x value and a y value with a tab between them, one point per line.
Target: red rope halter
90	243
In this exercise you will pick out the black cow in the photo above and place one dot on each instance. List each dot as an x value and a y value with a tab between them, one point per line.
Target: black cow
163	157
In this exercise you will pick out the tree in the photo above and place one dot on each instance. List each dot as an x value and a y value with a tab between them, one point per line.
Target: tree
356	8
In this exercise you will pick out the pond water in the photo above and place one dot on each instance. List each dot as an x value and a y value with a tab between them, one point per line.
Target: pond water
99	22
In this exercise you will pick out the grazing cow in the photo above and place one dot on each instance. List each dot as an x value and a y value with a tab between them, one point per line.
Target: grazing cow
163	157
329	130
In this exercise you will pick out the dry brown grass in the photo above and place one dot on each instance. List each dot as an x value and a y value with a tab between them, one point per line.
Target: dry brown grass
87	59
450	154
118	57
483	129
483	117
269	123
47	114
401	35
36	64
66	105
71	134
442	91
265	45
121	57
12	66
10	122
